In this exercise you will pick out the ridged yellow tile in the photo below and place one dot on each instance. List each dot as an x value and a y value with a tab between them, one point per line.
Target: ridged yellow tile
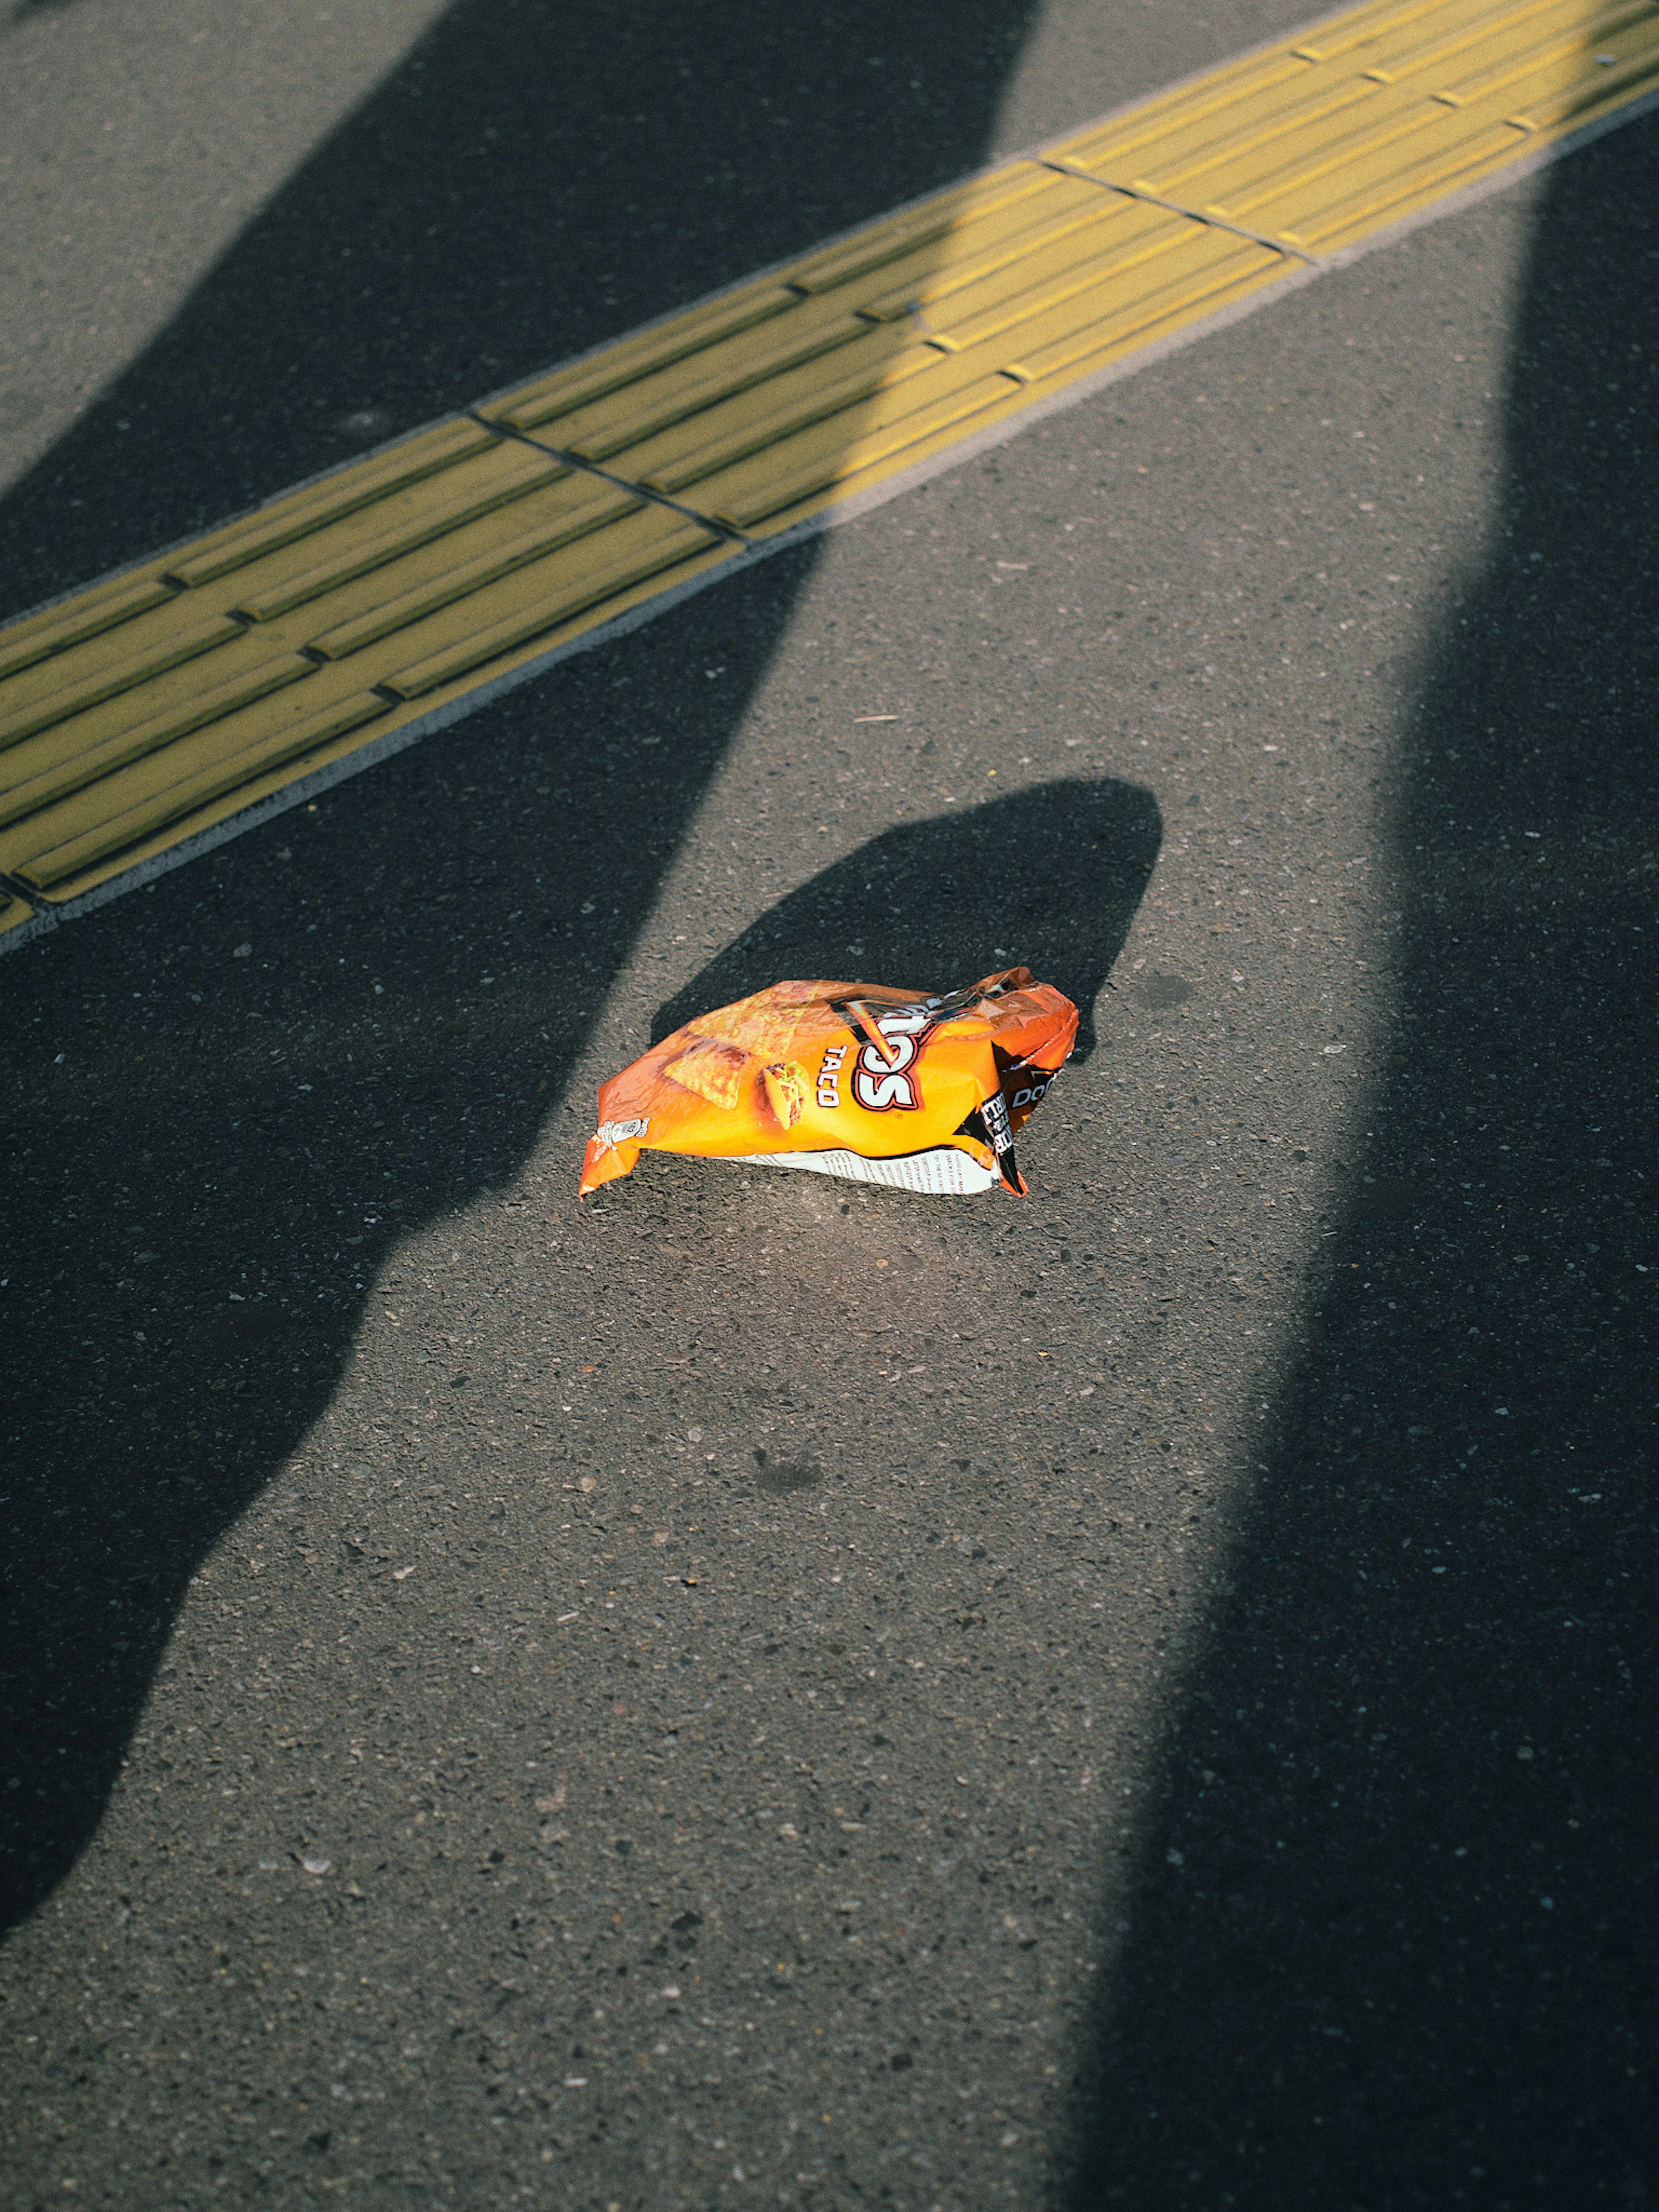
89	614
86	674
157	703
540	599
372	537
70	759
551	398
302	512
763	493
482	554
68	840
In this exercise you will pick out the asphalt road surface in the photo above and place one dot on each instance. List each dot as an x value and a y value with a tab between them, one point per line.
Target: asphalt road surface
762	1691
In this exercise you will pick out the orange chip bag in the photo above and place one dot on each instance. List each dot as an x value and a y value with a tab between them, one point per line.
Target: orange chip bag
856	1080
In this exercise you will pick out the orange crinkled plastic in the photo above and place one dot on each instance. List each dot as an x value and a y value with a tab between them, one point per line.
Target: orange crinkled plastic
922	1090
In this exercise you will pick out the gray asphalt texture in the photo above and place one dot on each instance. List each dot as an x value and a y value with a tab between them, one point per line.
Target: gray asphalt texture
762	1691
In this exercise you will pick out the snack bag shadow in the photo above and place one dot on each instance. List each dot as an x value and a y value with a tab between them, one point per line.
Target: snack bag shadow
857	1080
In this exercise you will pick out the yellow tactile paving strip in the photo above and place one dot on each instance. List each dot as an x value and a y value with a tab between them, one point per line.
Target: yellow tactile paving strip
153	707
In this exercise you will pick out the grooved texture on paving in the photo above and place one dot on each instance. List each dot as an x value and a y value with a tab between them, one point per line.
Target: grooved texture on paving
155	705
148	709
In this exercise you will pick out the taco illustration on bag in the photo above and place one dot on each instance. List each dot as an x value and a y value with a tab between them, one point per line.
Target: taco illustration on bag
920	1091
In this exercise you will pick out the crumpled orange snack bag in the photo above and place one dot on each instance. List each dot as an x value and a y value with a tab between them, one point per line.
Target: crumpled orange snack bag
856	1080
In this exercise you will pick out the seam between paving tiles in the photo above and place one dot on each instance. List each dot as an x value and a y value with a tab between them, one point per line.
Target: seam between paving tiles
642	491
23	893
1193	215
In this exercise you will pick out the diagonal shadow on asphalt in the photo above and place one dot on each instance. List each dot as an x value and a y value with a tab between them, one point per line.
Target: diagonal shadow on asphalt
1057	871
532	180
209	1145
1392	1941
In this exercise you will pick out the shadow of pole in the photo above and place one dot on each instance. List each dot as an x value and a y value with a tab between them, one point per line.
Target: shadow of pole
532	180
216	1159
1056	874
1393	1938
